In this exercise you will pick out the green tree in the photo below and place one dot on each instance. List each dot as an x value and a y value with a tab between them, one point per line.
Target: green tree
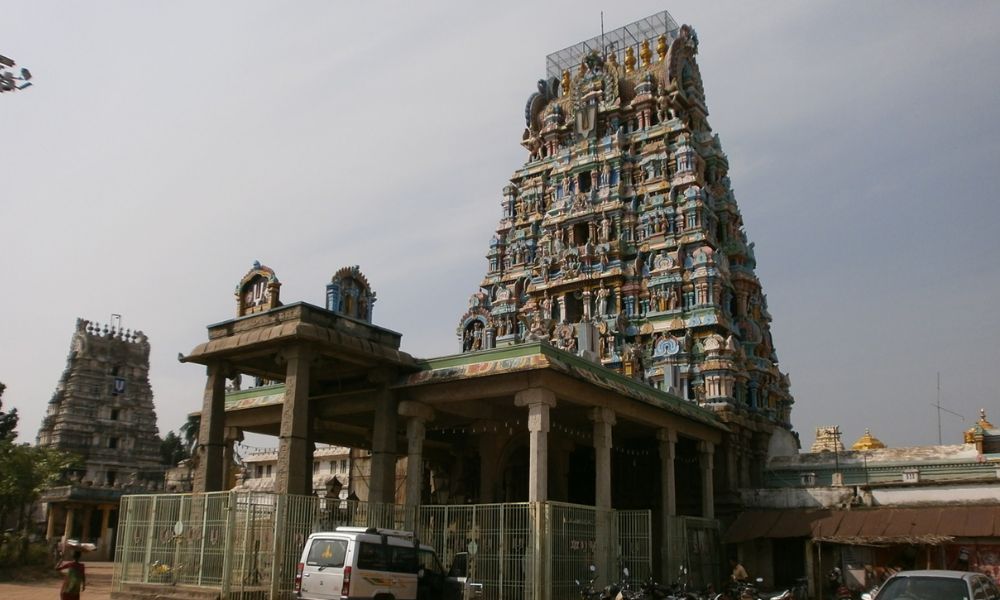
173	449
8	421
24	472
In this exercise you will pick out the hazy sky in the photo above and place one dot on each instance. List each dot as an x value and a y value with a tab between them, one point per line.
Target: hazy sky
166	146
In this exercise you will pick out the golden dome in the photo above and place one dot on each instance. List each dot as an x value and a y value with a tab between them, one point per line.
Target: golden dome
981	425
982	420
868	442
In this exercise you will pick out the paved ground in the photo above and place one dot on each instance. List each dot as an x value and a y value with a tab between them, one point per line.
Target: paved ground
98	586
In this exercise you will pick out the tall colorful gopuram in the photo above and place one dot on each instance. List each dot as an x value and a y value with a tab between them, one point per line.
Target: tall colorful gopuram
620	237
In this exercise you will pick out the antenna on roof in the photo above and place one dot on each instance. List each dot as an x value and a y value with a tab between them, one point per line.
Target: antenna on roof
604	50
940	408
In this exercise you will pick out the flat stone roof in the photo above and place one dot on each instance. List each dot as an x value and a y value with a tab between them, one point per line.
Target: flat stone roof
538	356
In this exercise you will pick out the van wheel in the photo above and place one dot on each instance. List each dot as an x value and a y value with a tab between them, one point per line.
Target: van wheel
385	597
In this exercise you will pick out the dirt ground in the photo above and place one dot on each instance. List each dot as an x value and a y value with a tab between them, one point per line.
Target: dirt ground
98	586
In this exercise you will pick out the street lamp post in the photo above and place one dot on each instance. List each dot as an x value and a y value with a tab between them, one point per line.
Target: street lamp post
9	80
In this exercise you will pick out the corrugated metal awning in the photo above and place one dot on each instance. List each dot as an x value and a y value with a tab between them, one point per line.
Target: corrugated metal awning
869	526
755	524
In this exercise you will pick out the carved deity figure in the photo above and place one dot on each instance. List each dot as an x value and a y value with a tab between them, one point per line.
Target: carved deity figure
602	301
547	307
605	228
477	336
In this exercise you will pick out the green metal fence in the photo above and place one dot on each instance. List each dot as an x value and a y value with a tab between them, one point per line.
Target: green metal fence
247	545
694	550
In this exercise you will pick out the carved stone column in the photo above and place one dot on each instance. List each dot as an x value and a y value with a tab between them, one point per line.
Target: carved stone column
559	458
604	420
50	526
668	500
230	436
417	415
382	486
104	542
706	457
70	514
539	402
668	452
88	514
294	473
208	475
489	459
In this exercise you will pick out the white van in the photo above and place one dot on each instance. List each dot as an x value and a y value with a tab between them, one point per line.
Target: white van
355	563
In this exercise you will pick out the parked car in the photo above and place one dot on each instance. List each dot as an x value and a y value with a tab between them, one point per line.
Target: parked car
365	563
937	585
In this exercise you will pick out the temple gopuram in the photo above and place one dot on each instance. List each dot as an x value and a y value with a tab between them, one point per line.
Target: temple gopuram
102	411
620	239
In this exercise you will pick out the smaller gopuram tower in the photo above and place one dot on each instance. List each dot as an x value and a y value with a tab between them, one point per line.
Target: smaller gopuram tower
102	409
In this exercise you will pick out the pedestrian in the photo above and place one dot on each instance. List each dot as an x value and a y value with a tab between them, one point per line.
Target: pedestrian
739	574
75	580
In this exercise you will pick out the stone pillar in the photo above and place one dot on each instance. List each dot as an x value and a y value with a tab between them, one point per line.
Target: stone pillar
539	402
559	456
88	514
231	435
668	452
417	416
104	541
70	514
105	520
706	457
294	472
668	500
208	475
489	459
604	420
382	485
50	526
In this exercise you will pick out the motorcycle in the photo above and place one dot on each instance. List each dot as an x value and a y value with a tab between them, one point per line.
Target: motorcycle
745	590
651	590
587	591
625	589
801	589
